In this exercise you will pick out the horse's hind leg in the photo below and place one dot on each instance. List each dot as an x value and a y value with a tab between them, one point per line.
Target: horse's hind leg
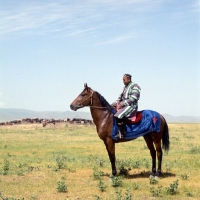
159	156
157	137
150	145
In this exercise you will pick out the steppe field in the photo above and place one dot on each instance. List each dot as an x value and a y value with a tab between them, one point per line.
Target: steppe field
70	162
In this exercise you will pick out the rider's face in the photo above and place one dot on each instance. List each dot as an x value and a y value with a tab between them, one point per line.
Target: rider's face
126	80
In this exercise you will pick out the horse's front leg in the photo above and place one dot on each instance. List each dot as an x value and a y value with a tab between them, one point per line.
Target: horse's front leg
110	146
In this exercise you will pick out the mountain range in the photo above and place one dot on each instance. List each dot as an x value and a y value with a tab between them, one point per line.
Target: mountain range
9	114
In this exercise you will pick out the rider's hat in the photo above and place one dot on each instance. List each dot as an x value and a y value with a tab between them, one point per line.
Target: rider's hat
128	75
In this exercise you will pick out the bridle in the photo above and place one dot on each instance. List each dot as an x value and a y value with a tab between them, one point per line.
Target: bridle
91	96
81	103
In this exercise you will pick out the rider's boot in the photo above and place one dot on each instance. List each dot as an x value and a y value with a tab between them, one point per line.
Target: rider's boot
121	128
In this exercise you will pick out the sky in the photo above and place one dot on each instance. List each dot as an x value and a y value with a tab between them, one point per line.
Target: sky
49	49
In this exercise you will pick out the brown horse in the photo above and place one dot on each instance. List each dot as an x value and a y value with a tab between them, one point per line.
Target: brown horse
103	118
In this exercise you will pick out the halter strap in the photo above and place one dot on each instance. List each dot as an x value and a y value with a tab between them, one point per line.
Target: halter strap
87	99
81	104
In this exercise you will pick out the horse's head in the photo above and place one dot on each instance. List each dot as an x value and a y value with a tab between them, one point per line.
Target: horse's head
83	99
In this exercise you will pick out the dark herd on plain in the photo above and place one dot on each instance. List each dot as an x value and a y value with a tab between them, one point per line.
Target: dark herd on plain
45	121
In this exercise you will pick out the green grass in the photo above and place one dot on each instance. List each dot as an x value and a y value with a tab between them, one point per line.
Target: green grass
60	162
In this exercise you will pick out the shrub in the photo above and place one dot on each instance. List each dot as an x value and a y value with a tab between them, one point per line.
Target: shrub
7	198
185	176
61	162
100	162
61	187
135	186
153	180
188	193
97	174
97	197
6	167
123	171
119	194
172	189
136	164
20	173
30	169
116	181
102	186
168	166
156	192
146	163
195	150
128	195
71	170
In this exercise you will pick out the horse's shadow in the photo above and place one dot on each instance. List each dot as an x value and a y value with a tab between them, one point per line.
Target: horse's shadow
144	175
147	175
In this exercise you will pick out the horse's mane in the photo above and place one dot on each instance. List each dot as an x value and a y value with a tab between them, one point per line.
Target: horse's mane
103	101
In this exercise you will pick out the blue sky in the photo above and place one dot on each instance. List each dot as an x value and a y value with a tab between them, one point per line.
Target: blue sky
49	49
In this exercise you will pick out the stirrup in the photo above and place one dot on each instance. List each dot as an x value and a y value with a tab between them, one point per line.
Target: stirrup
119	135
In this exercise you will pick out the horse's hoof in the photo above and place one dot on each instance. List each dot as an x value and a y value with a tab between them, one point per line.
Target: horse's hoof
158	173
114	173
153	174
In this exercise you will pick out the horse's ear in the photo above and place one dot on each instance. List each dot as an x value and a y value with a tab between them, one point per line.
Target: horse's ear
85	85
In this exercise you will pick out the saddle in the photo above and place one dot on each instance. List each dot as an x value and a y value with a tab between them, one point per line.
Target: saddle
134	119
122	123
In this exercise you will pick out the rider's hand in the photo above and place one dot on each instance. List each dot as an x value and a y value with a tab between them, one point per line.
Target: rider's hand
114	104
121	105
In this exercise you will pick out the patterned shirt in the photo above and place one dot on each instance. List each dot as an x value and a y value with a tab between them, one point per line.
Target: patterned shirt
130	95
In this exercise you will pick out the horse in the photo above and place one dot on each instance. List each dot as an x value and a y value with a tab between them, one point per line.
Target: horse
103	118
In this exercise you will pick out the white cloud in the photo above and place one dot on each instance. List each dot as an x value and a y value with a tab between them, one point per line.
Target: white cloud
196	7
78	32
91	17
52	15
117	39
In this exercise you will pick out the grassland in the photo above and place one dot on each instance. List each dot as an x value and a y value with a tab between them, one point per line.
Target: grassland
70	162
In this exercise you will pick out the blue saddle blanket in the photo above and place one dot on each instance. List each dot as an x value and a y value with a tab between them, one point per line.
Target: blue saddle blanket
150	122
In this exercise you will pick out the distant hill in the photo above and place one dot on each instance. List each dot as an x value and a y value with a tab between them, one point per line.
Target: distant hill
181	119
8	114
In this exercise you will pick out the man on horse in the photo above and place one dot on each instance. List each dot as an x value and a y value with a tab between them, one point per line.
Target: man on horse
127	103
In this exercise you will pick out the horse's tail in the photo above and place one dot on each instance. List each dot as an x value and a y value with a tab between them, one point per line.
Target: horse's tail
165	137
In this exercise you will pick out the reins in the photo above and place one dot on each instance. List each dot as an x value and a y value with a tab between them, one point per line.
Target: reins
99	107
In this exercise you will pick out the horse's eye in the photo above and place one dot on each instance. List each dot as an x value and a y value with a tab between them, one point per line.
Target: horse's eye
83	95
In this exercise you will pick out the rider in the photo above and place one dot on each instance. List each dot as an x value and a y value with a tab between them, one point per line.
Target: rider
127	103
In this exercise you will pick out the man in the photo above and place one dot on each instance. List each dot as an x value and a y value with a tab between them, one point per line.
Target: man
127	103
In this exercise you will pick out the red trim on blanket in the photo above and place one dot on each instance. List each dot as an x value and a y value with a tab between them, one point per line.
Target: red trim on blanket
138	118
